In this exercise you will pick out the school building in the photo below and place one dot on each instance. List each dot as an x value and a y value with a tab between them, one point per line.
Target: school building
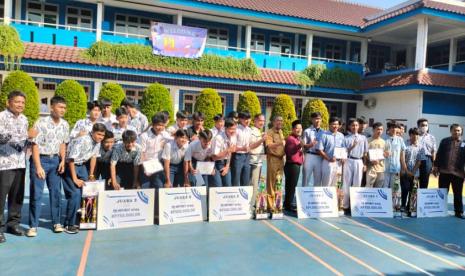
415	51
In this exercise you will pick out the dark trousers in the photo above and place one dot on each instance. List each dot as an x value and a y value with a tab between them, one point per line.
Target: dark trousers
445	180
102	170
192	178
406	186
125	175
73	193
291	173
177	174
425	170
240	169
217	180
53	179
11	185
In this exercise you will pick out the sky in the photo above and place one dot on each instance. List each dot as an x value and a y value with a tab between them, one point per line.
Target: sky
384	4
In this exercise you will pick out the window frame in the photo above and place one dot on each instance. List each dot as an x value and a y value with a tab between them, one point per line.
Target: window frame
281	45
43	12
127	23
79	17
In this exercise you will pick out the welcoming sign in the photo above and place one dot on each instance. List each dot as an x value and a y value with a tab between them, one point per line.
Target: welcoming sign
178	41
179	205
230	203
371	202
316	202
125	208
431	203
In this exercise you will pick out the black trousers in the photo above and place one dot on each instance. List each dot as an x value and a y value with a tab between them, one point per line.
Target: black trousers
292	173
445	180
11	185
406	185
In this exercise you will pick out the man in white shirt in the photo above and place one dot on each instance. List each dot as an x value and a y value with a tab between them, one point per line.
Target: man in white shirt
313	160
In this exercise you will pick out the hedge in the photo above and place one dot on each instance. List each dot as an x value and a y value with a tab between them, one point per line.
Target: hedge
76	100
209	103
315	105
284	106
248	101
333	78
113	92
19	80
156	98
11	47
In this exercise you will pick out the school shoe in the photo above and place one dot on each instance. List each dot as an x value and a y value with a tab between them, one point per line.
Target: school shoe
32	232
2	238
460	215
16	230
347	212
57	228
73	229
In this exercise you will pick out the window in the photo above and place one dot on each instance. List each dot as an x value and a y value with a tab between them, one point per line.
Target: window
298	106
218	37
78	17
190	99
437	55
257	42
461	50
49	86
333	51
377	57
132	25
280	45
43	13
87	91
134	94
334	109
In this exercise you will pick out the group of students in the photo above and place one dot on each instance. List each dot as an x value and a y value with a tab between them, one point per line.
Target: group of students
122	148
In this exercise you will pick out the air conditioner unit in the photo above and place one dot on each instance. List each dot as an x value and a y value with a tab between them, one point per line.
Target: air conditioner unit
370	103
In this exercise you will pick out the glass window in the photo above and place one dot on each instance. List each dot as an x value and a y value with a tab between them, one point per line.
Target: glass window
280	46
257	42
78	17
132	25
218	38
333	51
40	13
190	99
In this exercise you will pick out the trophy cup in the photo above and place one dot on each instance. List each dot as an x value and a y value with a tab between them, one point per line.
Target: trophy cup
396	197
413	199
261	211
340	192
278	202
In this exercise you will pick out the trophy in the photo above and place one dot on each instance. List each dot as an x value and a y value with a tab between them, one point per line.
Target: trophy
413	199
88	213
261	211
340	191
396	197
278	200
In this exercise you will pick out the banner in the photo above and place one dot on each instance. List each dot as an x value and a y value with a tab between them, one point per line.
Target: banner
89	203
371	202
180	205
125	208
431	203
316	202
230	203
178	41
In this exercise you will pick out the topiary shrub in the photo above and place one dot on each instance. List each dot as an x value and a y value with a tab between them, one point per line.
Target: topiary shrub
284	106
209	103
315	105
11	46
248	101
19	80
113	92
156	98
76	100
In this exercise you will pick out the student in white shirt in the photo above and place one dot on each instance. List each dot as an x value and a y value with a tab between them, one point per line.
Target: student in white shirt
173	159
223	146
198	150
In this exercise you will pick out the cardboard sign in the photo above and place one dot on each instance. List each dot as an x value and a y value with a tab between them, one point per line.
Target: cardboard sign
316	202
371	202
125	208
230	203
180	205
431	203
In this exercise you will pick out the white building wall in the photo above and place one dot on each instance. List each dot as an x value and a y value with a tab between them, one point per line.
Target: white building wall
439	124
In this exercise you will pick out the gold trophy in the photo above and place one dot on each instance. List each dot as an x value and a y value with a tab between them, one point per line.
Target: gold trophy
396	197
261	211
278	201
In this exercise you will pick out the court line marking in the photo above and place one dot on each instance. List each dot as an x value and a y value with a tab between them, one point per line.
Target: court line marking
85	254
418	237
376	248
301	248
333	246
408	245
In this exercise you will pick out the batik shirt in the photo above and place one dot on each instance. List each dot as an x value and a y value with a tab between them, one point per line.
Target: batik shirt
105	155
118	132
121	155
81	125
82	149
139	123
108	122
428	143
13	139
51	135
414	153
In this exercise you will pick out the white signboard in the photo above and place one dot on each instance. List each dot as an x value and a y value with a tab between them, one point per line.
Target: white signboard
125	208
371	202
179	205
431	203
316	202
230	203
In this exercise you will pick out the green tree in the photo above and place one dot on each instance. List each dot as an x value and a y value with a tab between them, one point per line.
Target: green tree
315	105
76	100
11	47
113	92
284	106
248	101
19	80
209	103
156	98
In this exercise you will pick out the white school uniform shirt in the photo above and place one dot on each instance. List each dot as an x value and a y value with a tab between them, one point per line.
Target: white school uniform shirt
216	131
196	151
221	142
173	153
244	135
257	154
152	144
109	121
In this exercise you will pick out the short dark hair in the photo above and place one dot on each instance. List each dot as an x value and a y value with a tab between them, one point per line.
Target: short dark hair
229	122
258	116
233	114
206	134
453	126
244	115
351	121
334	119
218	117
57	100
129	136
120	111
180	133
315	115
376	125
99	127
164	115
93	104
198	116
361	121
106	102
392	125
421	120
181	115
158	119
128	103
108	135
296	123
413	131
16	93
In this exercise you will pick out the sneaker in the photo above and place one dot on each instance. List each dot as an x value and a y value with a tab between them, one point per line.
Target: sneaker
32	232
73	229
57	228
